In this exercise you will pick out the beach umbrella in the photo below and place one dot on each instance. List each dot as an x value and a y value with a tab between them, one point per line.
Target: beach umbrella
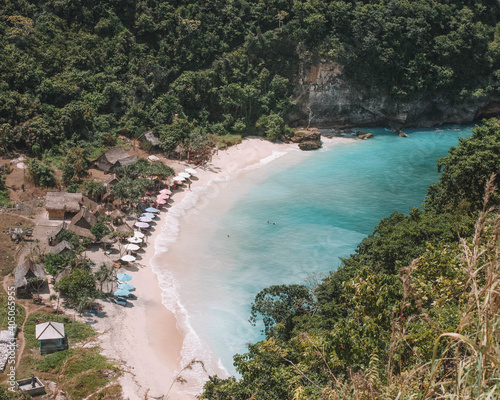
126	286
124	277
165	191
121	292
185	175
128	258
145	219
131	247
163	197
148	215
191	171
152	210
141	225
161	201
135	240
138	234
179	178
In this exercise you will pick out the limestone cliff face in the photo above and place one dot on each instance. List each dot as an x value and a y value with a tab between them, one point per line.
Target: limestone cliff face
325	97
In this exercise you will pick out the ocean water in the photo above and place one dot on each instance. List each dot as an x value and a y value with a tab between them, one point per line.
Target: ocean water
288	221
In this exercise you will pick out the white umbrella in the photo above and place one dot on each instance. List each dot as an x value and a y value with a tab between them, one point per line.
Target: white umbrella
145	219
165	191
149	215
191	171
138	234
141	225
134	239
128	258
131	247
179	178
185	175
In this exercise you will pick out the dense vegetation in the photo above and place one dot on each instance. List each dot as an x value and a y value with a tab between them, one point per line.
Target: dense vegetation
77	74
413	313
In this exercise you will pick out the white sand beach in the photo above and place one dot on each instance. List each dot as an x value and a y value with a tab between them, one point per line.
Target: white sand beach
146	338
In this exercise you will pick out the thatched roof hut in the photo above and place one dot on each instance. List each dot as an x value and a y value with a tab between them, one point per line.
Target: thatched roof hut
89	204
111	180
63	247
58	204
84	219
114	157
52	237
82	232
26	272
150	137
124	228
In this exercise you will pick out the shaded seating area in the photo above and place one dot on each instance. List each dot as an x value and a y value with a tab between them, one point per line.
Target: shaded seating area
51	336
28	276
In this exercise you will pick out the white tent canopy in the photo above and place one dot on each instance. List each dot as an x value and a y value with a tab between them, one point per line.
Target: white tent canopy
50	330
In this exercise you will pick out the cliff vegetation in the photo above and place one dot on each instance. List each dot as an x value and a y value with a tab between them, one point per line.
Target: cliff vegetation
80	73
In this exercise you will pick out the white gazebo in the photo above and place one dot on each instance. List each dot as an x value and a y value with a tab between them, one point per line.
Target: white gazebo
51	336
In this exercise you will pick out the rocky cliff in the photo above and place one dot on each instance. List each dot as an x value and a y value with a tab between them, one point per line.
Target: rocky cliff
325	98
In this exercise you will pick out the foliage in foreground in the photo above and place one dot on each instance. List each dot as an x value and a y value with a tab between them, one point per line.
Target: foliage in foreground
414	313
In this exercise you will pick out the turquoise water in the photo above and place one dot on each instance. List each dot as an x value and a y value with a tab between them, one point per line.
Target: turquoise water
323	207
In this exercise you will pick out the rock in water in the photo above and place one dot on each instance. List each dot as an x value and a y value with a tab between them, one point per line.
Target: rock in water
310	145
364	135
308	139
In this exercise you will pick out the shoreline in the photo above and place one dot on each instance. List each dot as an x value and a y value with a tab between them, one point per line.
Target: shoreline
150	338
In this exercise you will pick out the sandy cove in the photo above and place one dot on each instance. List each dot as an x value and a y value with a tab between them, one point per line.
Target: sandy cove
144	338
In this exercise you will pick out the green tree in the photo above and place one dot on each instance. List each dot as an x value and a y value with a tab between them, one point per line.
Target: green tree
99	230
94	190
54	263
41	174
466	170
277	305
79	287
75	165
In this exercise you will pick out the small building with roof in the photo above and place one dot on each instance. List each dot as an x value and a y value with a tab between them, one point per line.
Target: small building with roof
82	222
113	158
63	248
28	276
113	179
51	336
62	204
150	137
52	237
84	219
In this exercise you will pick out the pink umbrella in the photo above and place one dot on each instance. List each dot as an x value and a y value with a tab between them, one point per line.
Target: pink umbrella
165	191
161	201
163	197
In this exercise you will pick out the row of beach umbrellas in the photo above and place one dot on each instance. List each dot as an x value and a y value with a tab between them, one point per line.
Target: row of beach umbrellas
182	176
124	287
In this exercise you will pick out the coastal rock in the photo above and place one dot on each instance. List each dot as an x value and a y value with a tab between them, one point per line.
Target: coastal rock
308	139
325	92
401	133
310	145
364	135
